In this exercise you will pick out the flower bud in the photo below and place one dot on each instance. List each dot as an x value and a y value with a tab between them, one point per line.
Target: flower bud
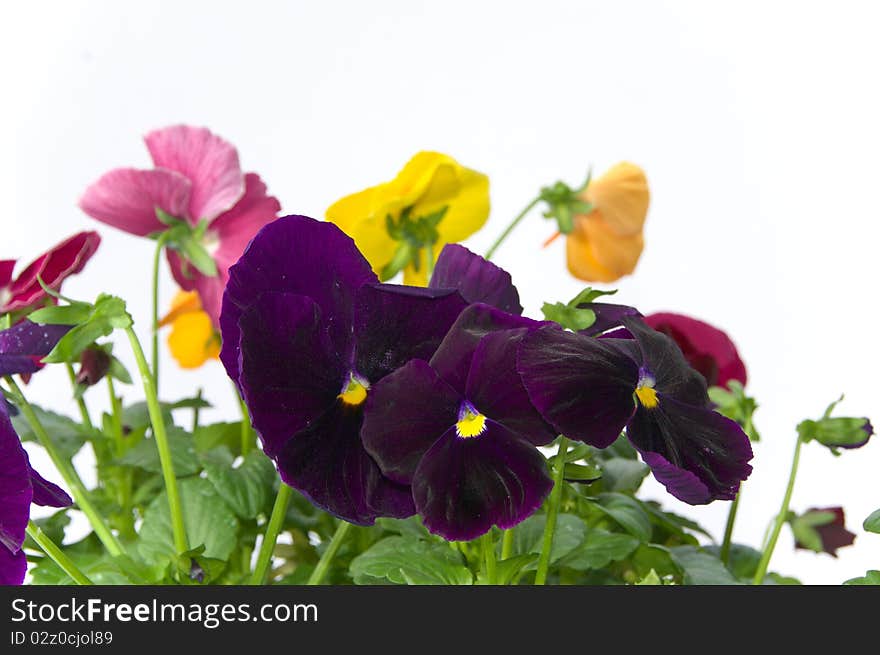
93	366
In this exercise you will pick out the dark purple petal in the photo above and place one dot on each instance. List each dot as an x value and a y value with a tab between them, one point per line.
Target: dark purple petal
394	324
708	349
608	316
289	375
47	494
834	534
452	361
299	255
404	414
13	567
496	390
477	279
15	487
692	442
465	485
582	386
328	464
664	360
22	346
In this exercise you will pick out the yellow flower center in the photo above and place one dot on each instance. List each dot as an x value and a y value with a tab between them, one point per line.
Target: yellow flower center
470	423
647	396
355	391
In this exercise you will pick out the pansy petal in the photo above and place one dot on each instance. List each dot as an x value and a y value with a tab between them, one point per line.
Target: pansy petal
477	279
394	324
692	442
16	492
582	386
127	198
708	349
362	217
495	387
47	494
207	161
289	376
299	255
452	361
27	338
608	317
468	208
6	268
405	413
65	259
13	567
464	486
621	194
832	535
672	373
328	464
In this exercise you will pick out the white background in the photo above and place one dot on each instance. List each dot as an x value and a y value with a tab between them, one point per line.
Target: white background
757	124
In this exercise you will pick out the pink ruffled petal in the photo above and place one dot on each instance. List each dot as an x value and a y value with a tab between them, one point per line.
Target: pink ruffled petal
65	259
206	160
6	268
127	198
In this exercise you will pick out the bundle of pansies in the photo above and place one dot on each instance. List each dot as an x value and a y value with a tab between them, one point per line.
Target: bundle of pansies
423	432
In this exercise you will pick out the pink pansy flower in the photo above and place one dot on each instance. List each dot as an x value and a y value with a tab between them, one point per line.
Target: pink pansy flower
65	259
197	177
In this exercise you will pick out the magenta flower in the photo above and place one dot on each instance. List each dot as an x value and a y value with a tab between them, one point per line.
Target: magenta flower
196	178
706	348
65	259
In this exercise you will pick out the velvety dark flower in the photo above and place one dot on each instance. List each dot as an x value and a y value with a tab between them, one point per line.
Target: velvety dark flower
94	362
24	344
65	259
477	279
307	332
706	348
461	430
829	535
590	389
20	486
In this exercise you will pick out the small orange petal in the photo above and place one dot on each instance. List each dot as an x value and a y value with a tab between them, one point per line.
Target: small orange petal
184	302
596	253
622	196
551	239
193	340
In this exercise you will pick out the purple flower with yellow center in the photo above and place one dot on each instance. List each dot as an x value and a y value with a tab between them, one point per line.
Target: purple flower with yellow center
461	431
590	389
308	332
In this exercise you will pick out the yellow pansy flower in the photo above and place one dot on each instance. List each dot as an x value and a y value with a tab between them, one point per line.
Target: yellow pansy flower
433	201
606	243
193	339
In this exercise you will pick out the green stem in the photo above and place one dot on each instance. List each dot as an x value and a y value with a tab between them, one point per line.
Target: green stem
552	513
324	563
68	473
506	544
780	518
56	554
81	403
489	555
273	529
516	221
248	438
154	327
161	436
196	410
116	418
728	530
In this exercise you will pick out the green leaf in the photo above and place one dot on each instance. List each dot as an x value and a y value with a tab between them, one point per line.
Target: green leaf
648	557
619	474
411	527
62	315
145	455
733	403
568	317
208	437
599	549
248	488
528	536
628	513
870	578
872	523
117	371
582	472
67	435
53	527
509	570
589	295
742	560
702	568
137	415
652	579
404	560
208	520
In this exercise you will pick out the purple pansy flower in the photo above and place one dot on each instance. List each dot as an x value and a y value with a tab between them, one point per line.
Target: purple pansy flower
307	332
461	430
477	279
590	389
24	344
20	486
